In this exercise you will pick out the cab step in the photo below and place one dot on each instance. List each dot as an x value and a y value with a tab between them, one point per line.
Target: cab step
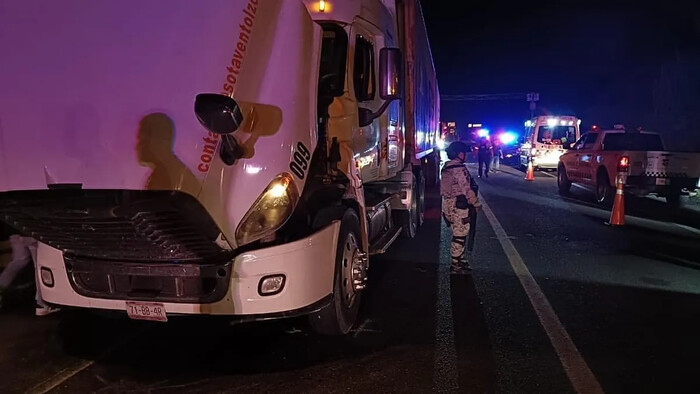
385	240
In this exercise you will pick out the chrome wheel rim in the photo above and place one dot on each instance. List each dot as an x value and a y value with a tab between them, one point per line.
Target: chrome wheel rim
349	263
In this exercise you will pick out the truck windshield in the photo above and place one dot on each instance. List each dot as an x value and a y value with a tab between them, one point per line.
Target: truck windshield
333	58
632	141
556	134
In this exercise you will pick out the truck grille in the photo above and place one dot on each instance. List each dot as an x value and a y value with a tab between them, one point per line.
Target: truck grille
165	282
123	225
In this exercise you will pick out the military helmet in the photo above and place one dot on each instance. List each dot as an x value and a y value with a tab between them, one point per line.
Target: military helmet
455	148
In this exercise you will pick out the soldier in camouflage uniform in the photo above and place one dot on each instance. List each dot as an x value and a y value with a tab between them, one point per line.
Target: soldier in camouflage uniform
457	195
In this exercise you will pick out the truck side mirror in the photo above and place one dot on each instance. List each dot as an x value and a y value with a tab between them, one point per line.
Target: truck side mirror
218	113
390	74
389	84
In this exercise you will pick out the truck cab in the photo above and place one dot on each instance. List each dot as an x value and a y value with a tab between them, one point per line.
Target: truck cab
243	158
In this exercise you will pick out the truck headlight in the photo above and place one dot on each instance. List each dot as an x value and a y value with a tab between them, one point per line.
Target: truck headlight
270	211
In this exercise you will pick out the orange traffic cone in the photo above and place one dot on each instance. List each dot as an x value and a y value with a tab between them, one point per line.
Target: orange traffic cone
530	176
617	216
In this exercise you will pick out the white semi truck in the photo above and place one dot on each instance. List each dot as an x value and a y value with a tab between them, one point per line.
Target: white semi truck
232	157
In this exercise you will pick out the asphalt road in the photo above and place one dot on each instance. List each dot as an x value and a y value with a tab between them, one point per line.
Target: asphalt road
620	303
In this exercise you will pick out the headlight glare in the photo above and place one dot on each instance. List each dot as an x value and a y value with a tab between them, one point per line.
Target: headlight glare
270	211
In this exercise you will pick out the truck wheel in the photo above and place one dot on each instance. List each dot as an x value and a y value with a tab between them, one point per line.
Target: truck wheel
339	316
603	190
563	181
410	218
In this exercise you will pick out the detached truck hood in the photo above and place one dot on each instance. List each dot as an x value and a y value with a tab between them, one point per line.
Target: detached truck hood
97	123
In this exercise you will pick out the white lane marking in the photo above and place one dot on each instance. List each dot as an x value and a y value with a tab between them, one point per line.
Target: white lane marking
580	375
445	365
68	372
60	377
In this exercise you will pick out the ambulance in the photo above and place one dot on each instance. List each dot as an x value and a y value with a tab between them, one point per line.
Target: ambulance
243	158
546	138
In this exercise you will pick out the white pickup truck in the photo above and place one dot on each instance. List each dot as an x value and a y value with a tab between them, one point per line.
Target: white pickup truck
639	156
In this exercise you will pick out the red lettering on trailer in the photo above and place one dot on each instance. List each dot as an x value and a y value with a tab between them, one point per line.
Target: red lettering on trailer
234	68
244	32
208	150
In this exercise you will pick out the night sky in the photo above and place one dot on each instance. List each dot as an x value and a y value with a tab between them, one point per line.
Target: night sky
605	61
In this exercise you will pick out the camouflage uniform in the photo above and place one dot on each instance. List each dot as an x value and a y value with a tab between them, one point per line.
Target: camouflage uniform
456	182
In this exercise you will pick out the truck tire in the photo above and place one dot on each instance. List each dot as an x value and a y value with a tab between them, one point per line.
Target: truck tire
604	192
563	182
338	317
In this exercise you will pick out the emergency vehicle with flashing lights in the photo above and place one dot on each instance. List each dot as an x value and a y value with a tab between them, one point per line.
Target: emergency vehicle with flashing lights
638	157
238	157
546	138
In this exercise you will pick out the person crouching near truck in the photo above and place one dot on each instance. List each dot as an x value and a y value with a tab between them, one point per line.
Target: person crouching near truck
24	250
457	197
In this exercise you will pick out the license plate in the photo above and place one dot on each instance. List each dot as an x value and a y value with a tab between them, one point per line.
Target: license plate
661	181
153	311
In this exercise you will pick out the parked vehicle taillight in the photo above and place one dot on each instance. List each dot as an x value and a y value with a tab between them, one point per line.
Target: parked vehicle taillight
624	164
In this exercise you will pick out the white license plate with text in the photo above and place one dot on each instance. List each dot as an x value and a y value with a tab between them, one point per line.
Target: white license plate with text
153	311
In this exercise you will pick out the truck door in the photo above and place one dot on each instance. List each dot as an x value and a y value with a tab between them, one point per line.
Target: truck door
363	77
585	156
571	160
